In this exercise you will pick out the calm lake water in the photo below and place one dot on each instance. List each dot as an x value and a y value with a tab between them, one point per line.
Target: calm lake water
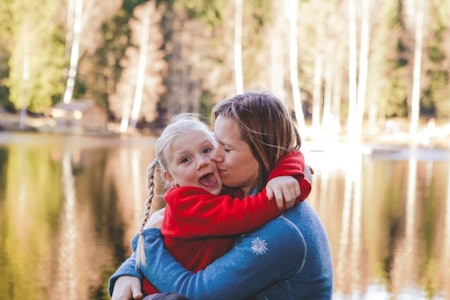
70	205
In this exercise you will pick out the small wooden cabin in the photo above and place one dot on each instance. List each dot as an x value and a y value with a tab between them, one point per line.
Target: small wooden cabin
78	116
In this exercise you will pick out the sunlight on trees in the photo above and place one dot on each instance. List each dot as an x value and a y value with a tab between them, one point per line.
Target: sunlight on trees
36	57
342	67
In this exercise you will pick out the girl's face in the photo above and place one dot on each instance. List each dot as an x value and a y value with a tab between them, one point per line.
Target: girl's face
238	168
189	163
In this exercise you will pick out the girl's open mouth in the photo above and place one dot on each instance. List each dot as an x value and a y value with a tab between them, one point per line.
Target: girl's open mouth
208	180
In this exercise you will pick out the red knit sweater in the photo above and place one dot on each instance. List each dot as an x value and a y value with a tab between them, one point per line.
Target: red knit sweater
200	227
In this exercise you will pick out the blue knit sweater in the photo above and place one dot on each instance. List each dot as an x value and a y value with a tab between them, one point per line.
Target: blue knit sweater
288	258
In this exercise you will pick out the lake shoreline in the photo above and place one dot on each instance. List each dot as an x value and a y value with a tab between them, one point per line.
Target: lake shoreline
394	132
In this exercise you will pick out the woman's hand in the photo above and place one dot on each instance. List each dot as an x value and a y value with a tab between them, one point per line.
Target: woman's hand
126	288
285	190
156	219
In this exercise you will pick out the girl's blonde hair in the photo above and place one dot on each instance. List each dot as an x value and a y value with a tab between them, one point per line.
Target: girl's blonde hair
156	185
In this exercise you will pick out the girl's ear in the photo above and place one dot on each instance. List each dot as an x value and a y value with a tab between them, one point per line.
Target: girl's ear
166	175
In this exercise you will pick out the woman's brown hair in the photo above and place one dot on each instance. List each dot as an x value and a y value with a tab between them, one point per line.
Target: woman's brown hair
265	125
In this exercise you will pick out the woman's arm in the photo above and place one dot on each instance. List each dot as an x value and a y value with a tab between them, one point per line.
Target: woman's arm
126	288
259	259
127	268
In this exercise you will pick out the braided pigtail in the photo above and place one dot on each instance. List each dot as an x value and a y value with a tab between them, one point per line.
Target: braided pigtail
140	251
160	187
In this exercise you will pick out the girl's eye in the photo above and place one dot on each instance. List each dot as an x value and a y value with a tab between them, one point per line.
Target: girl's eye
207	150
227	149
185	160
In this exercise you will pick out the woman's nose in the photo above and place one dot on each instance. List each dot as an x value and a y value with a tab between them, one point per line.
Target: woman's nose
217	156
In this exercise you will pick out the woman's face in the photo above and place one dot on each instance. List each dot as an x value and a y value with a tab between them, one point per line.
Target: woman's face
237	166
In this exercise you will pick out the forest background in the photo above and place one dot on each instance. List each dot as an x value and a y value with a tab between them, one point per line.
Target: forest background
343	66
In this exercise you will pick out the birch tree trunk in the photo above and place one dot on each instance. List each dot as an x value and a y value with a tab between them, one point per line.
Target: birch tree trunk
238	77
363	67
277	51
417	67
142	66
327	97
26	82
75	49
277	66
317	94
351	121
126	115
69	27
293	63
337	99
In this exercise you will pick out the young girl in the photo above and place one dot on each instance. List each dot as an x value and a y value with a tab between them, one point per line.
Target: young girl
199	226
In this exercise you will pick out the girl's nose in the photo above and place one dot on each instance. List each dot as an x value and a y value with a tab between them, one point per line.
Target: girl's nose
203	162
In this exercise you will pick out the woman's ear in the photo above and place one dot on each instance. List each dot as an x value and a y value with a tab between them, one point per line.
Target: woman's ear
166	175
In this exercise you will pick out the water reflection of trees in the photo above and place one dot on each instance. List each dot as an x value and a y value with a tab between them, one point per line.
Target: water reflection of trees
126	169
30	200
406	249
393	236
101	206
445	252
68	235
66	219
68	213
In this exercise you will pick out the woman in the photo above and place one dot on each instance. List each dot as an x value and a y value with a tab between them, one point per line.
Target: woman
196	211
288	258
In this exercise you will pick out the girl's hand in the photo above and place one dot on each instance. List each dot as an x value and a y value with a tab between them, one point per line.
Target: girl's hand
156	219
285	190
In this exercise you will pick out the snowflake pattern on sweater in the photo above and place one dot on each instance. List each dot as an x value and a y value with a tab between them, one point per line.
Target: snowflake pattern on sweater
259	247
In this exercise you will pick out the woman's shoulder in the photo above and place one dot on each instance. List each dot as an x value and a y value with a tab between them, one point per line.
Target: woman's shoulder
294	224
276	229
